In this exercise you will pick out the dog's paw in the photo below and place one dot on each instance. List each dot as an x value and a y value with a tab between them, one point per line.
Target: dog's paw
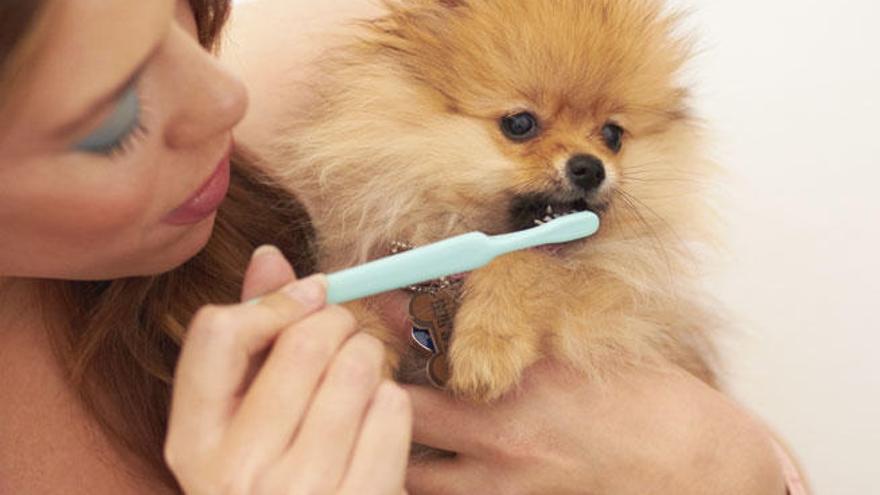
485	366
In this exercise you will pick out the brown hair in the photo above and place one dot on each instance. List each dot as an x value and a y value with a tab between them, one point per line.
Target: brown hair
123	338
19	27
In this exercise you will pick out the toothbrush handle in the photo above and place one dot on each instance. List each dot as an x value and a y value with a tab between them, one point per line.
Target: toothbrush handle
456	255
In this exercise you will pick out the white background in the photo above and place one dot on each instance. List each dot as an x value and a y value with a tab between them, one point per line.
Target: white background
791	88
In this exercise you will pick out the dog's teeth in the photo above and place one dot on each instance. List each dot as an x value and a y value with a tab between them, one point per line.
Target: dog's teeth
538	222
549	209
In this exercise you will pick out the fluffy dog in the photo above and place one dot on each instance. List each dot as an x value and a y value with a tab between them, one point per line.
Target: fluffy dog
448	116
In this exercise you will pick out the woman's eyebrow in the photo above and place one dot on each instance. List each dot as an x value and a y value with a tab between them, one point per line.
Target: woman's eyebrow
101	103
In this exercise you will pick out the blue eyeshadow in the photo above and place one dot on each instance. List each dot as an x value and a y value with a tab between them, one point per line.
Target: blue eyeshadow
119	125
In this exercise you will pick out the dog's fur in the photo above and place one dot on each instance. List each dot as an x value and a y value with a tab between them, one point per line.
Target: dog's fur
404	143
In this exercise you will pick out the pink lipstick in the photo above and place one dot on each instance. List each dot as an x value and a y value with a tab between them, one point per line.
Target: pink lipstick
206	200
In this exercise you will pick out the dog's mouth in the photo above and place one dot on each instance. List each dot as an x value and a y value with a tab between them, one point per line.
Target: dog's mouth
529	211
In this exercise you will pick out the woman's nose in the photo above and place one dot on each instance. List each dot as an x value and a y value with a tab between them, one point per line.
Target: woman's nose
210	100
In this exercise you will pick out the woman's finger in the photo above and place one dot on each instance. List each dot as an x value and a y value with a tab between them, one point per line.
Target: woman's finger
442	422
268	271
220	347
387	430
323	446
274	406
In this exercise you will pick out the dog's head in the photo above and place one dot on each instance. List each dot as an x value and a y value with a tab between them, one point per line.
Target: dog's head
455	115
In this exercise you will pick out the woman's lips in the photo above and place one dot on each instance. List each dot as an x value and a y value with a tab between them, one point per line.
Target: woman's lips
205	201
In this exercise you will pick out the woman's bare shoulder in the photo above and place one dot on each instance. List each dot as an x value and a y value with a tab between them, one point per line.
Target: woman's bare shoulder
48	443
270	44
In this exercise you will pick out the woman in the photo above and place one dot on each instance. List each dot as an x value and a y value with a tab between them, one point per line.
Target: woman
114	144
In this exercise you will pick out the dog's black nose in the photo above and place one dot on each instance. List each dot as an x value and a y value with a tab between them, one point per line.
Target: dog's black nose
586	172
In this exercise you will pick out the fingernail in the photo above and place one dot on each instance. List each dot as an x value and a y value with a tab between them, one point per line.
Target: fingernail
265	249
310	292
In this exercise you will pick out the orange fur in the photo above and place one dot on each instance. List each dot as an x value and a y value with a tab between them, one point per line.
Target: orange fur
404	144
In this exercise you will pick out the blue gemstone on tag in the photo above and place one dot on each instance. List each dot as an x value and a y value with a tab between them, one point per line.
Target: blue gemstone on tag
423	338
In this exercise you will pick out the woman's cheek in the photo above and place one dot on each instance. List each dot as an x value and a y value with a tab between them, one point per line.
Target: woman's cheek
112	210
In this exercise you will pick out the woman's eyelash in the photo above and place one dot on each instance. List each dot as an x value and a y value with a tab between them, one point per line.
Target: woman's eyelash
120	130
127	142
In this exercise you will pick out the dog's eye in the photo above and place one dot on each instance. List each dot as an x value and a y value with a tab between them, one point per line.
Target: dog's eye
520	126
612	134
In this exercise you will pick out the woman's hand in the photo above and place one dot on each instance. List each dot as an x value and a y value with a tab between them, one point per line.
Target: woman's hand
284	396
657	432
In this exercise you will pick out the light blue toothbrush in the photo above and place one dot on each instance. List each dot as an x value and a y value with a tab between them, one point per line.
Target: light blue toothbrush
450	257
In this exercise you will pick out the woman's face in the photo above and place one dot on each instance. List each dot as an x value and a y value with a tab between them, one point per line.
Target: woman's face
114	148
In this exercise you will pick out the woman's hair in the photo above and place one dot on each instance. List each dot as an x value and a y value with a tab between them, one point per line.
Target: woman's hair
121	338
19	22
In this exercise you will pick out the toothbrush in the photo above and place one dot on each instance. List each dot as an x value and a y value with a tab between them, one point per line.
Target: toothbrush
452	256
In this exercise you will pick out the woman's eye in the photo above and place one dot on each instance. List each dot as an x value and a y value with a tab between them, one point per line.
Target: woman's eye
520	126
612	134
117	129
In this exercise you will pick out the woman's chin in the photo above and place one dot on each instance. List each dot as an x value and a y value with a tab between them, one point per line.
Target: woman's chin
186	247
172	254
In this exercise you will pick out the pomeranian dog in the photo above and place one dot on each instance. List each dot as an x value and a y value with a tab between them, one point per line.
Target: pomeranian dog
449	116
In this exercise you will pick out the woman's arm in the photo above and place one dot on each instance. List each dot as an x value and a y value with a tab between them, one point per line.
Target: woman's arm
658	432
